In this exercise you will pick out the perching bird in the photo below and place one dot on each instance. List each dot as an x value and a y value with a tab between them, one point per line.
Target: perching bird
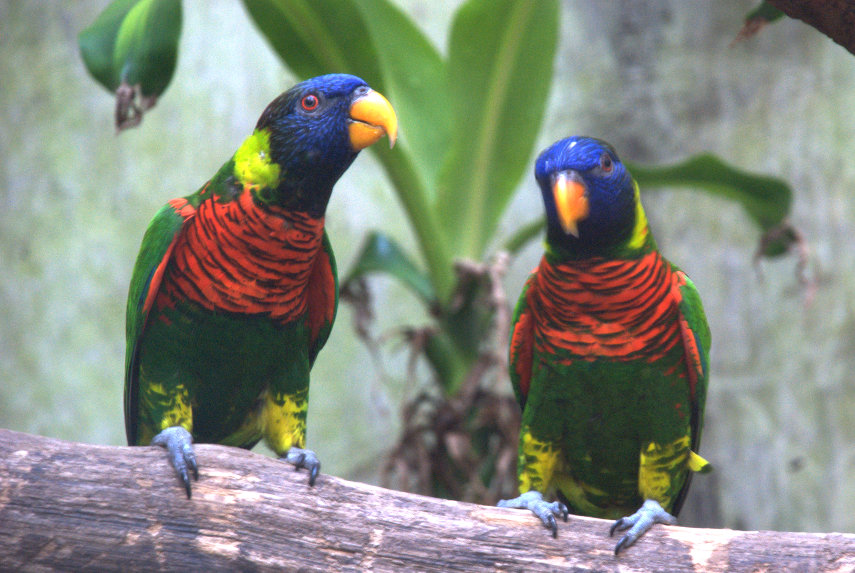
608	356
234	291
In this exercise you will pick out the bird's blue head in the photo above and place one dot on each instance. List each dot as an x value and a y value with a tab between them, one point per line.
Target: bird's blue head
592	203
308	136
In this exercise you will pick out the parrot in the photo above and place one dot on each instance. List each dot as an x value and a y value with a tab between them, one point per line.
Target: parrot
609	355
234	291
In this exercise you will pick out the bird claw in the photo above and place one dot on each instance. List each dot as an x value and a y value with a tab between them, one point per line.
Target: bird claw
533	501
300	458
639	523
179	445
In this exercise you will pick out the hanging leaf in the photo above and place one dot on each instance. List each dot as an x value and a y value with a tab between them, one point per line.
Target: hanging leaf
97	43
499	74
131	49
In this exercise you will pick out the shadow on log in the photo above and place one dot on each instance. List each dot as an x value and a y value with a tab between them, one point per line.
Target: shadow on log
74	506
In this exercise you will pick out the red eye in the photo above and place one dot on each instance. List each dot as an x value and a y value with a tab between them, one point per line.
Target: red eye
606	163
310	102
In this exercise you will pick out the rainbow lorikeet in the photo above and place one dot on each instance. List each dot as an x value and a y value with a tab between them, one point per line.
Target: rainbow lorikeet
609	354
234	291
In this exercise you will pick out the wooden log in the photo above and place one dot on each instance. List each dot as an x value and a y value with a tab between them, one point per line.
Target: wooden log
74	506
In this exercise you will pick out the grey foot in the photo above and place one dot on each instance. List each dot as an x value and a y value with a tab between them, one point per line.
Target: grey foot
300	458
533	501
179	444
640	522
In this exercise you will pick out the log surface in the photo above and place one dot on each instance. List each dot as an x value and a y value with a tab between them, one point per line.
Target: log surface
73	506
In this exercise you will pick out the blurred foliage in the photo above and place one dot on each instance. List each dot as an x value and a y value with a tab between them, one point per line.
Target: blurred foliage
469	123
131	49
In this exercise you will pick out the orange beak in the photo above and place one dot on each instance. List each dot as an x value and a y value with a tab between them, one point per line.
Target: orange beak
372	116
571	200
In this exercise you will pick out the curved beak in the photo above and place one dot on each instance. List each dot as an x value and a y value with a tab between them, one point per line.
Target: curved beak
571	200
371	116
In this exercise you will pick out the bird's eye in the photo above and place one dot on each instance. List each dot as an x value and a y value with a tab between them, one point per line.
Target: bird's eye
310	102
606	163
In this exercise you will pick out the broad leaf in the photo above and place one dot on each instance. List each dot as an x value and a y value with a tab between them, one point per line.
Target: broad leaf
318	37
413	75
499	74
381	254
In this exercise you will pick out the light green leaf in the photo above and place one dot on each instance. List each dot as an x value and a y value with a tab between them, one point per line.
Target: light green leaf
147	45
133	42
381	254
524	235
318	37
98	41
499	74
413	75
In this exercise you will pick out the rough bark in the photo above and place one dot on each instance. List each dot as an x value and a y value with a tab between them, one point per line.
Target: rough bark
74	506
834	18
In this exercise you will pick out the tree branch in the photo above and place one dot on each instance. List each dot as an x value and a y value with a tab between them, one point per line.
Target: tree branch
834	18
76	506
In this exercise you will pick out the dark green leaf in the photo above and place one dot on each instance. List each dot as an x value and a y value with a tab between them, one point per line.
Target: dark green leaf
766	199
765	12
499	74
382	254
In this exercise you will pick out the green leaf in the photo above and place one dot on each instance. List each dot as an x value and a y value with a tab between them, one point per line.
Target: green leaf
767	200
147	45
98	41
318	37
131	50
524	235
380	253
413	75
499	74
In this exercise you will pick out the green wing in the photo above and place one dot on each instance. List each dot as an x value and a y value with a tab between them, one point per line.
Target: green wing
522	345
696	340
322	293
148	272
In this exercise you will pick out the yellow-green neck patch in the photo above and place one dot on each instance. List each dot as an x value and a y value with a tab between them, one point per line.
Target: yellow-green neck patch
640	231
253	165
